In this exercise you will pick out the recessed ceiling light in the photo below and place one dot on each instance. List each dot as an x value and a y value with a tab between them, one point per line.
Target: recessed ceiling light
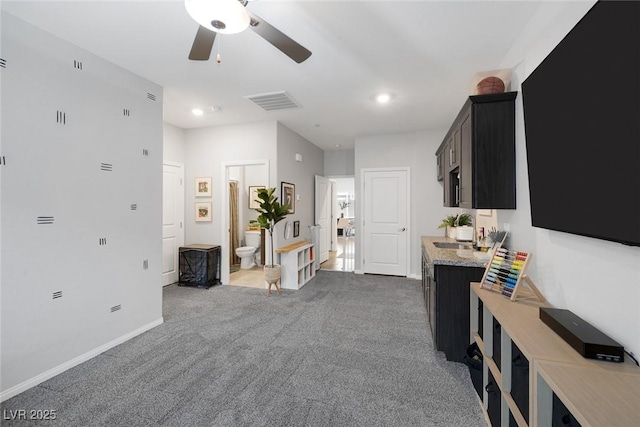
383	98
197	112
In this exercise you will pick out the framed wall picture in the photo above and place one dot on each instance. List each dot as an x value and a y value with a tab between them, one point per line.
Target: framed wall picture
296	228
203	211
254	202
288	192
203	186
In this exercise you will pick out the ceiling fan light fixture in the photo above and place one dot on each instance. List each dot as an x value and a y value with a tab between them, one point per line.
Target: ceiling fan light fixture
221	16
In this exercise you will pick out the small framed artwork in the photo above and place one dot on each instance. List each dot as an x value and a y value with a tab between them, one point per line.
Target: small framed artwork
254	202
203	186
296	228
288	192
203	211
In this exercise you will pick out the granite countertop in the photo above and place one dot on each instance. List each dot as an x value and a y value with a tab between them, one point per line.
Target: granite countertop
439	256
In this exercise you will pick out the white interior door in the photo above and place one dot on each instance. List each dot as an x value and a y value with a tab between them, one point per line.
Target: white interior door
323	216
386	222
172	219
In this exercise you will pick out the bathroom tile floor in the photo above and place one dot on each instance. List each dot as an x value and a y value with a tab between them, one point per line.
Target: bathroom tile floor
340	260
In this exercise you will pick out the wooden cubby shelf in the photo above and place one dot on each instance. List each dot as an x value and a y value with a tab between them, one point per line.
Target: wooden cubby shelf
543	381
297	264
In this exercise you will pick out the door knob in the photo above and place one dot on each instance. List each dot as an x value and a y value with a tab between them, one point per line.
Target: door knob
403	229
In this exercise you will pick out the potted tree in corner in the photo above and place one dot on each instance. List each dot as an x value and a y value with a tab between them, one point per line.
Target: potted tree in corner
271	212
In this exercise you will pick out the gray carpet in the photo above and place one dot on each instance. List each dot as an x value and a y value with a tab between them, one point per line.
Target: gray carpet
345	350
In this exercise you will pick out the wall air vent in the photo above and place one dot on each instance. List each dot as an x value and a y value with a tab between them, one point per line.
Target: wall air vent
107	167
116	308
3	63
151	96
44	220
57	294
274	101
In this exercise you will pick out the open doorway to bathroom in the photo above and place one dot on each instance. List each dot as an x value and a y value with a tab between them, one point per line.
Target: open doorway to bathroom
242	259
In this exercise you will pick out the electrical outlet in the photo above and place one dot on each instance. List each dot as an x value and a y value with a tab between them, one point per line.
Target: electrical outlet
505	226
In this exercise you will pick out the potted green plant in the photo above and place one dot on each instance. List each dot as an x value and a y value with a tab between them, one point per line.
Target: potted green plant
451	222
271	212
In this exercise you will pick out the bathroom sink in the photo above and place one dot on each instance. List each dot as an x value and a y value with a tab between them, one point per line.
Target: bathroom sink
452	245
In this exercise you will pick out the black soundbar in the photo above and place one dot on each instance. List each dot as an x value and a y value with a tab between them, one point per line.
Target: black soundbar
587	340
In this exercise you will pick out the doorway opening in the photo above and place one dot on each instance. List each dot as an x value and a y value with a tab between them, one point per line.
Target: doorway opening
343	232
243	257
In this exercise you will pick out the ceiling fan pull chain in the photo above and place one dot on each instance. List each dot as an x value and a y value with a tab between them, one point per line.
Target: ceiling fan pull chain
218	57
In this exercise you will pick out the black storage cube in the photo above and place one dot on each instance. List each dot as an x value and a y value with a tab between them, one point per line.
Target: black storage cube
473	359
494	401
199	265
480	317
520	380
497	332
512	421
560	416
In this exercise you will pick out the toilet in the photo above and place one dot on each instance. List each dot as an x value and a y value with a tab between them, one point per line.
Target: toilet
247	253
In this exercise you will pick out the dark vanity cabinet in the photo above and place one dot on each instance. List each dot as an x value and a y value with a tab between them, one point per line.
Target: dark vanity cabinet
478	154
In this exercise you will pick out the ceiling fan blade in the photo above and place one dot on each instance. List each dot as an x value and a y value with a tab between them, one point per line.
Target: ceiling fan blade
202	45
288	46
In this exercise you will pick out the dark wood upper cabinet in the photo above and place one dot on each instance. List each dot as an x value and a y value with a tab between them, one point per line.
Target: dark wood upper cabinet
482	137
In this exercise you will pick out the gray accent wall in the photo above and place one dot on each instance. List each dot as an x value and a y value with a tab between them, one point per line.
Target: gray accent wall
302	175
81	205
339	163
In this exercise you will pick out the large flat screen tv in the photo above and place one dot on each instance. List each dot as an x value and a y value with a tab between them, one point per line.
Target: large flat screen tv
582	128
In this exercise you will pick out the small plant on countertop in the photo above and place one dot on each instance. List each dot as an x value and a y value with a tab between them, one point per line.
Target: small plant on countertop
464	219
456	220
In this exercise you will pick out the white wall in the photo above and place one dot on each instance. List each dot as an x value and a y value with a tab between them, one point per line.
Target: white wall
417	151
53	169
596	279
173	143
207	150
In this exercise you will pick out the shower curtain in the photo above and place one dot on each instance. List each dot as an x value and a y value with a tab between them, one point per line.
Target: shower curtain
233	223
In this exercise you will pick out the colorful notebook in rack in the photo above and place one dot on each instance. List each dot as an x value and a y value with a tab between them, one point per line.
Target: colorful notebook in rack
504	272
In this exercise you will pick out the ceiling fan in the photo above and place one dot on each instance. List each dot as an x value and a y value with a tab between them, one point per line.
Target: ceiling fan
232	16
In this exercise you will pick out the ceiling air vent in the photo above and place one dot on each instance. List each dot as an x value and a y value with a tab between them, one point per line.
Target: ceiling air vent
274	101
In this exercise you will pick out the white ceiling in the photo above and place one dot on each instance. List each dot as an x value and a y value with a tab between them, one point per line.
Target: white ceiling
425	52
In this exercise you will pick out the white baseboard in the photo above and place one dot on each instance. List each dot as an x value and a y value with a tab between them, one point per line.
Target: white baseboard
32	382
